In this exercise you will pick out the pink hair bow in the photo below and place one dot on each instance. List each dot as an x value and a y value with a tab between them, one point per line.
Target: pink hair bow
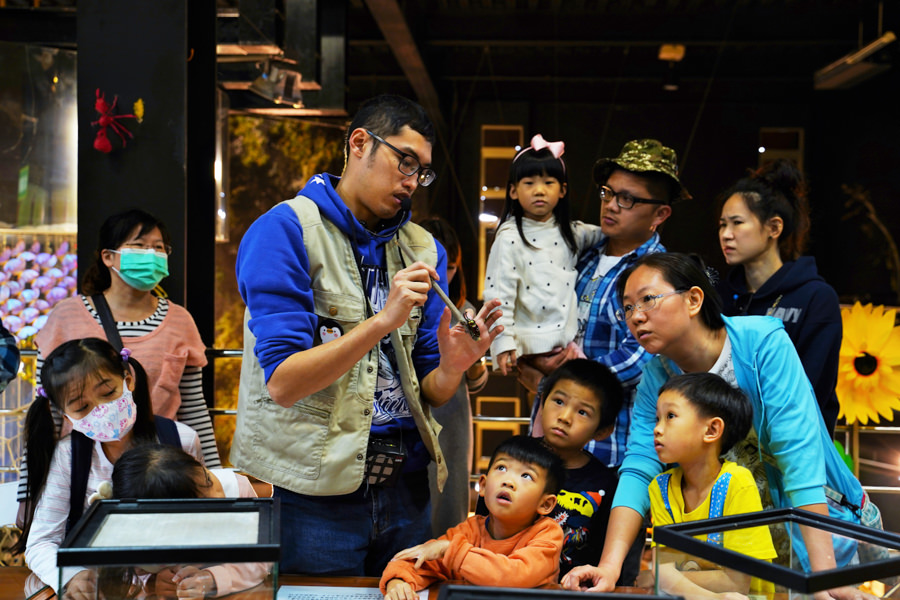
538	143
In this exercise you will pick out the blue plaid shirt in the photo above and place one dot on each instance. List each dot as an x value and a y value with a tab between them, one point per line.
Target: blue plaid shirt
608	341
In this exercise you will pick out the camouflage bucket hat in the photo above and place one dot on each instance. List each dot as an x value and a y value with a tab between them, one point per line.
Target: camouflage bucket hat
641	156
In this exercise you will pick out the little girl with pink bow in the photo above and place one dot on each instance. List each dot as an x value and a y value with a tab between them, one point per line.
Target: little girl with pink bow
531	267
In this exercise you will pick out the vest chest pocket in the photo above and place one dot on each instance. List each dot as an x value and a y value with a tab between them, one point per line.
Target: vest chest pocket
337	314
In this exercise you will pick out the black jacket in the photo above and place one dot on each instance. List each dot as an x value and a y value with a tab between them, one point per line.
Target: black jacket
809	308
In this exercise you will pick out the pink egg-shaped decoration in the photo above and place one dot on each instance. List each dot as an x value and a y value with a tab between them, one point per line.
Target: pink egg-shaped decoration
53	261
14	287
43	283
55	273
14	306
57	294
39	322
70	261
36	247
3	276
43	258
14	265
4	293
29	295
28	275
42	305
69	282
12	323
27	256
29	314
19	247
5	254
26	332
63	248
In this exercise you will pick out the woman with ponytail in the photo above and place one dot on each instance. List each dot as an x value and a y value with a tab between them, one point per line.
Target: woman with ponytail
763	230
104	396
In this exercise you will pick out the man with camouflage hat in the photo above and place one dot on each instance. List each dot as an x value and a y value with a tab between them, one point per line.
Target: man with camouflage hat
636	190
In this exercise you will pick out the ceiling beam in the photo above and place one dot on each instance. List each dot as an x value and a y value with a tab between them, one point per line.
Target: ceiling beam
393	26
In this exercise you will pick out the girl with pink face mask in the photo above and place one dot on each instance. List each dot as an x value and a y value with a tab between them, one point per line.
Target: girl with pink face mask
104	396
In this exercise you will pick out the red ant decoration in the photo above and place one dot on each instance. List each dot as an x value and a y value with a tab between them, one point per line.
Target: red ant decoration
107	119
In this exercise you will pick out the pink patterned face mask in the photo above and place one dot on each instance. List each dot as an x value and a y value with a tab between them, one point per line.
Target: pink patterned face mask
110	421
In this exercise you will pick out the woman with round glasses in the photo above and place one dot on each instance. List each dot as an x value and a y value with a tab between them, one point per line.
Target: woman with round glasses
674	312
131	260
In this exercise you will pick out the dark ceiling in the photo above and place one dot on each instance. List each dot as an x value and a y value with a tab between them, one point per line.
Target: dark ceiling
450	52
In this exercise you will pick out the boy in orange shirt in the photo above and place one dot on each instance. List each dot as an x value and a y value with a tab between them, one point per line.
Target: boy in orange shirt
517	545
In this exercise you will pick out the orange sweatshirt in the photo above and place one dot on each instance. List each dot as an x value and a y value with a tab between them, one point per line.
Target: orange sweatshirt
528	559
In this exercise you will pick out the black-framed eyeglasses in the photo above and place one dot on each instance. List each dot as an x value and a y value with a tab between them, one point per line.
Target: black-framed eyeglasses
624	199
409	165
646	304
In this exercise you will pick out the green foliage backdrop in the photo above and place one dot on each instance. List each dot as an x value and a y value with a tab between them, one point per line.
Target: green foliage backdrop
270	161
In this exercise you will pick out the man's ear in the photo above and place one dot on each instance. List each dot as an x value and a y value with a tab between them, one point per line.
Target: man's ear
715	428
357	140
602	434
548	503
662	213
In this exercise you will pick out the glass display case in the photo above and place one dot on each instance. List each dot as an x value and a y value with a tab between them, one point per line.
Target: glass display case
125	549
713	555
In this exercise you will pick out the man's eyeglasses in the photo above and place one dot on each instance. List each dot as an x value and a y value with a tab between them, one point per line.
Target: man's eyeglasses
646	304
164	248
409	166
624	199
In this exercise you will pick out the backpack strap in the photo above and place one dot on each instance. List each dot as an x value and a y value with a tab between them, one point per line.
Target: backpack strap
82	448
663	482
717	505
167	432
109	324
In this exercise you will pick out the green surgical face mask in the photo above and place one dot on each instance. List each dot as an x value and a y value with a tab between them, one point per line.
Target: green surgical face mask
142	269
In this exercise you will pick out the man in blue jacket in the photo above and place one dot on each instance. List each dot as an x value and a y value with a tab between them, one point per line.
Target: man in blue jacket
346	348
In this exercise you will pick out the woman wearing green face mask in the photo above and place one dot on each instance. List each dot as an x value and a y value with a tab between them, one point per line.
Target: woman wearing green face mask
131	260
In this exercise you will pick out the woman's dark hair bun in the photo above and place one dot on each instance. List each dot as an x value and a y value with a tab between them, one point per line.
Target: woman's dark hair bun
783	175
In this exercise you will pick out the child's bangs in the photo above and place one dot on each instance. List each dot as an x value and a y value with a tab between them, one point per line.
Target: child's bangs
534	164
71	383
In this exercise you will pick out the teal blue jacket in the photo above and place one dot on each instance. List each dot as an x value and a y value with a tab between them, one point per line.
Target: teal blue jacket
800	458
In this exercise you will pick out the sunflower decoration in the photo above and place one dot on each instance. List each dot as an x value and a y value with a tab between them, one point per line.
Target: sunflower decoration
869	371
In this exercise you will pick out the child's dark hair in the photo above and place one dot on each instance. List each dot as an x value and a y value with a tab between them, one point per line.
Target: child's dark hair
534	451
386	115
595	377
533	163
712	396
115	231
63	374
157	471
446	235
777	189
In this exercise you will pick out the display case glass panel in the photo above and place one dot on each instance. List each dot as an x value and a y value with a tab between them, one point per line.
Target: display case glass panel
124	549
698	557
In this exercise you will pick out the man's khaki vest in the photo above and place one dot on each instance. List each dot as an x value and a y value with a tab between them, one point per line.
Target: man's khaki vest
318	446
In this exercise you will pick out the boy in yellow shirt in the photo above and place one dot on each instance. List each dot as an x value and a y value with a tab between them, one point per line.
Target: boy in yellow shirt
699	417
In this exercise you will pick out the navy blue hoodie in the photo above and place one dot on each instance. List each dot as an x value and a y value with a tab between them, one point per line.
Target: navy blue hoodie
809	308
